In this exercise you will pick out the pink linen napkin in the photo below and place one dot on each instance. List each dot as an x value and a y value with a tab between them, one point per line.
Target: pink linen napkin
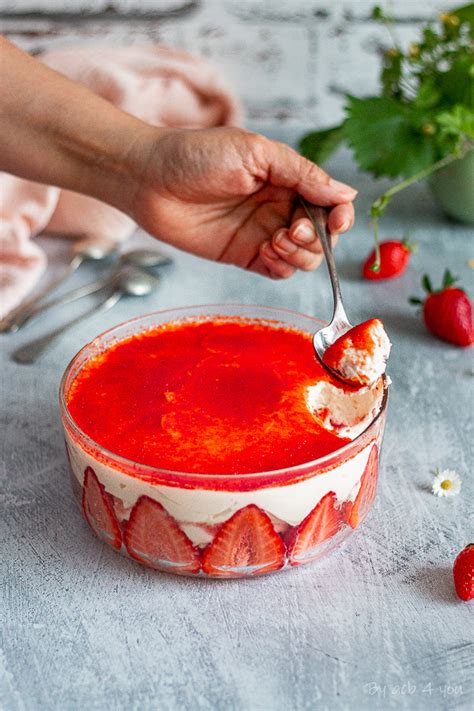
162	86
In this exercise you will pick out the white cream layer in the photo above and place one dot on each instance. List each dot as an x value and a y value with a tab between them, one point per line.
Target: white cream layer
363	366
286	505
346	413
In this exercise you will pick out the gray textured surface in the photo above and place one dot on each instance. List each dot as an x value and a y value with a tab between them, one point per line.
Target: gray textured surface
375	626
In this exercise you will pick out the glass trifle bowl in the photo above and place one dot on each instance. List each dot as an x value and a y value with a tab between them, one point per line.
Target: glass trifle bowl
231	518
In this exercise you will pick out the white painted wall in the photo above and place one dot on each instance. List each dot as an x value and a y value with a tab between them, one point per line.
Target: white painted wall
290	60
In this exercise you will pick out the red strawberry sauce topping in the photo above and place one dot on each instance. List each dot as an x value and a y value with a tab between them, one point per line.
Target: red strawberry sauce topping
359	337
223	396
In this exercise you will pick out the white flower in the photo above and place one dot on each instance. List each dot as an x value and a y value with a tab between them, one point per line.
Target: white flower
446	483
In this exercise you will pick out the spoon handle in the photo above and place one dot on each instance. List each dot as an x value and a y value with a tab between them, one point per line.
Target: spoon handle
318	216
66	298
31	351
16	318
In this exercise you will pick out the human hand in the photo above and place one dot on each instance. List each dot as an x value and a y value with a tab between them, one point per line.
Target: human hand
225	194
230	195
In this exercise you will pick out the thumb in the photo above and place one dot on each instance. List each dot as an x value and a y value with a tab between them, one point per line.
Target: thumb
288	169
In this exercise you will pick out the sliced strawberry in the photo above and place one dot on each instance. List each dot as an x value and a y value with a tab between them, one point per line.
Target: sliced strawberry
368	488
322	523
154	538
246	544
98	510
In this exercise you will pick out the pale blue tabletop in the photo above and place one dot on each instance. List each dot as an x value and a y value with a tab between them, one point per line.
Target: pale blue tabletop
375	626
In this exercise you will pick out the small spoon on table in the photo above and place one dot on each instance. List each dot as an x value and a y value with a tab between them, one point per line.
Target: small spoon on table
339	323
129	281
85	249
143	258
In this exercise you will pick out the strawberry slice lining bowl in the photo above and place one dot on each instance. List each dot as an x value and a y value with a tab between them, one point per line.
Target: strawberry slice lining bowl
232	518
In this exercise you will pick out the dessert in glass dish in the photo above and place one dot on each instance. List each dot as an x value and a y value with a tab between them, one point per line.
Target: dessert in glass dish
210	441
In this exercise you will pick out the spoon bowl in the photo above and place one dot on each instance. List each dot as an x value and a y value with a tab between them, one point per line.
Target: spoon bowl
325	337
93	249
133	281
141	258
129	281
82	250
145	258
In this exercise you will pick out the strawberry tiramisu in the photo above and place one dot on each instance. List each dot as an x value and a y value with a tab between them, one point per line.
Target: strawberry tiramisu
212	442
360	355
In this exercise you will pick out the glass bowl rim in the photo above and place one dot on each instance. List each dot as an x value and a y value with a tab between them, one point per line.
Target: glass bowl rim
156	472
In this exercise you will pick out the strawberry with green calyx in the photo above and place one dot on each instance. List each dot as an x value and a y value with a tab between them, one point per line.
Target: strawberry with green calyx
391	261
447	312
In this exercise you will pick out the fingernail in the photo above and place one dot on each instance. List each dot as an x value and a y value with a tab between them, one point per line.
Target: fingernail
342	187
305	233
268	251
344	227
285	244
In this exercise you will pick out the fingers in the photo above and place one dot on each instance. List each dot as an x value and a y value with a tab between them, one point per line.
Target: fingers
302	232
299	247
273	265
286	168
341	218
301	256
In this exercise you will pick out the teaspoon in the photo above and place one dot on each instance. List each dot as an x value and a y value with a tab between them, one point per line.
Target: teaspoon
85	249
142	258
129	281
339	323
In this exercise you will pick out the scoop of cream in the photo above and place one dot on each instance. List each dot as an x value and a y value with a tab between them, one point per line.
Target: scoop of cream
360	355
345	412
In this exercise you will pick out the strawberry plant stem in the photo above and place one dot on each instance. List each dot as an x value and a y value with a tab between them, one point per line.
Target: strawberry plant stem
378	206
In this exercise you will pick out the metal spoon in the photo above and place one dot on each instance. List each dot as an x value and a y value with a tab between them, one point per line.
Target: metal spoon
85	249
339	323
145	258
130	281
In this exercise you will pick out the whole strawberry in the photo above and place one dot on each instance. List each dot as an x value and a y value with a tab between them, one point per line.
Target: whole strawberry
463	573
393	260
447	312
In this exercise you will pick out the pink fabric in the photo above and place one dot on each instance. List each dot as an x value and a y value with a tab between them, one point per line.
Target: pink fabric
162	86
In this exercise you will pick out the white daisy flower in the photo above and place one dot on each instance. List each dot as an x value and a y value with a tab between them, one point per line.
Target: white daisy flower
446	483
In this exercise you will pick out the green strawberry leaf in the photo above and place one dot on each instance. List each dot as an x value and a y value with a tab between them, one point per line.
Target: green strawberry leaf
455	125
318	146
466	14
457	82
387	137
428	94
